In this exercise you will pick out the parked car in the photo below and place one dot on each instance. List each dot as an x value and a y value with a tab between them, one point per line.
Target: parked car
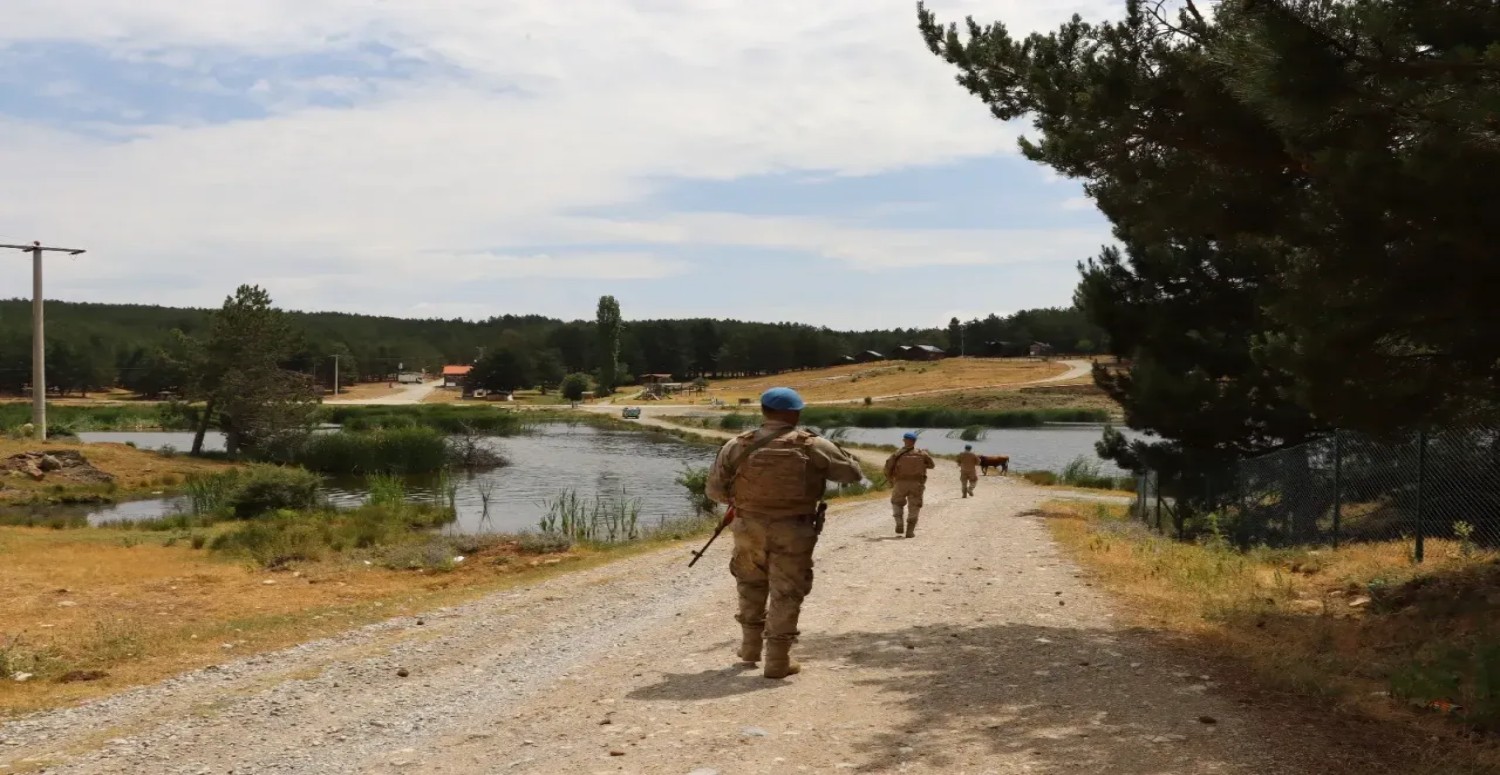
631	413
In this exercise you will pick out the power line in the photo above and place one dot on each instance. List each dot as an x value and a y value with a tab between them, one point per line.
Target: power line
38	339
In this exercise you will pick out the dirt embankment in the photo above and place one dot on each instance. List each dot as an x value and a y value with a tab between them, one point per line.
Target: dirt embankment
66	471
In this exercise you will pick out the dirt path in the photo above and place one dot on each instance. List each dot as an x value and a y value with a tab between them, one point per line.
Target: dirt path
973	648
409	394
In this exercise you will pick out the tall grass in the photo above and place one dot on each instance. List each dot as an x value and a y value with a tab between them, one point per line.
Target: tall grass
1081	471
77	419
600	520
414	450
938	417
439	417
385	490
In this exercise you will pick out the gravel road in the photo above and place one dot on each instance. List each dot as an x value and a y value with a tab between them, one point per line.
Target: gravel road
973	648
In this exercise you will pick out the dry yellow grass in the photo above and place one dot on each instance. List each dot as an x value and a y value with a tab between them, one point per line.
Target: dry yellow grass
114	396
366	390
134	470
888	378
122	603
1302	622
1077	396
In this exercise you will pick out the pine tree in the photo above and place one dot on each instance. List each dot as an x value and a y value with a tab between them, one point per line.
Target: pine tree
1191	179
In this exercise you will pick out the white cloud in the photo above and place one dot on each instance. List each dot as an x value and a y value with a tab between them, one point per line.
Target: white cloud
862	247
541	110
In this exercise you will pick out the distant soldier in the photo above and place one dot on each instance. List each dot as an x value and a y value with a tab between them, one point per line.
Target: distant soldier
773	478
968	470
907	471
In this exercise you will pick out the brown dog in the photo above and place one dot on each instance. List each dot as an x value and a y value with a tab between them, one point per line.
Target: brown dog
986	462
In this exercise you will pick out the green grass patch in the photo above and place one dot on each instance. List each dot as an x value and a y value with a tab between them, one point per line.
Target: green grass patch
446	418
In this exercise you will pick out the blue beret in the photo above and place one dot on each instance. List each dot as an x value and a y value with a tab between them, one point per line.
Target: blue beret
782	399
968	447
910	435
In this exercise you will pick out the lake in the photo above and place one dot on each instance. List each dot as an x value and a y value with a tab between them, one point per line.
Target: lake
1048	448
552	458
600	463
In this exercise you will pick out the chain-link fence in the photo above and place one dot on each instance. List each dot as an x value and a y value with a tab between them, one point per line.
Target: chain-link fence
1343	487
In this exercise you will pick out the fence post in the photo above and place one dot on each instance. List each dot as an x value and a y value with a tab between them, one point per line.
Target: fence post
1421	480
1338	476
1158	502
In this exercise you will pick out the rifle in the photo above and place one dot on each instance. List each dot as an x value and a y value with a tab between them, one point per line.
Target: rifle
728	517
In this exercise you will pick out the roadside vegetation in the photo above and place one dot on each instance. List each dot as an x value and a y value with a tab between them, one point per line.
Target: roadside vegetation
1357	629
1083	473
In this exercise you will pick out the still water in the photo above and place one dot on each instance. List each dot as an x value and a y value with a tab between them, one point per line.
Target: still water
635	466
1030	449
553	458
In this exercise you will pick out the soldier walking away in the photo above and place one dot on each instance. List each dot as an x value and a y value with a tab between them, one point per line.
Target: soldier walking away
907	471
968	470
773	480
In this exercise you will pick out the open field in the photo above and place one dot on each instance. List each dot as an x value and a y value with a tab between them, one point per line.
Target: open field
1358	628
364	391
882	378
134	471
1065	395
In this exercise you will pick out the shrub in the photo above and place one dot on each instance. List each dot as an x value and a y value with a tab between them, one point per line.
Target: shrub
544	543
734	421
263	489
433	554
972	433
696	482
283	538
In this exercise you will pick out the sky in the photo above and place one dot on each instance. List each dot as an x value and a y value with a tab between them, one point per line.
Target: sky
777	160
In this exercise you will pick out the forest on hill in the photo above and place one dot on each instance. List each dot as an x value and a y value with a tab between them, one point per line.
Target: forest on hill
92	346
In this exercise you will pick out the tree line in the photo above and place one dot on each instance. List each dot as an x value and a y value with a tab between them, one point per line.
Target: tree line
94	346
1300	192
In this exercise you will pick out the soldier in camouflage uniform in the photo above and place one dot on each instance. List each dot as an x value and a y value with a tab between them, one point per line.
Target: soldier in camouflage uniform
968	470
773	478
907	471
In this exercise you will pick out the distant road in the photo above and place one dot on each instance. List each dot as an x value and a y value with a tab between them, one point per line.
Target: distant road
410	394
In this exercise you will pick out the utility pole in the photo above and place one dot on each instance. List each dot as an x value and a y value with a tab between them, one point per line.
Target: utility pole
38	339
336	374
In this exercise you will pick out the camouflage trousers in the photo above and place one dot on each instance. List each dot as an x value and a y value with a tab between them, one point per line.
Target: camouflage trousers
906	496
773	567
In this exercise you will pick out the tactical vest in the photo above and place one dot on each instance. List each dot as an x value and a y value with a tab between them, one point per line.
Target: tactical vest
911	465
777	477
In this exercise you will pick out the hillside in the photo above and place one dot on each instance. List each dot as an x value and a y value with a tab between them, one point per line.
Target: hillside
890	380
